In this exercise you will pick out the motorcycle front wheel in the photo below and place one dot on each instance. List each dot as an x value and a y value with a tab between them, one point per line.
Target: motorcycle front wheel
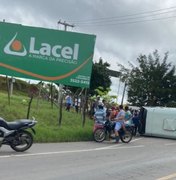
126	137
22	141
99	135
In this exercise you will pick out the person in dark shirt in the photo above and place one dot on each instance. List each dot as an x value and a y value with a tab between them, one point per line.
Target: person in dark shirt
136	122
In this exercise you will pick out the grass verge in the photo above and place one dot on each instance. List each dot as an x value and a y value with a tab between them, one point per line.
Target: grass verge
47	128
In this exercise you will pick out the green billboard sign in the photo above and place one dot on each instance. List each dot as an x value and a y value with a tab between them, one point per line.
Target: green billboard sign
46	54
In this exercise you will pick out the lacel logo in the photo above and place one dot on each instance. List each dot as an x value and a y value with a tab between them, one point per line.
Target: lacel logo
15	47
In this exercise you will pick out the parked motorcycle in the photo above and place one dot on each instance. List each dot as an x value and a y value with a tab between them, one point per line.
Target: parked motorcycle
104	129
15	134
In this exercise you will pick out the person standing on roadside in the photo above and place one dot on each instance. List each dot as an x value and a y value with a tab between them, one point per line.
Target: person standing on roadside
68	100
120	121
95	106
128	115
136	122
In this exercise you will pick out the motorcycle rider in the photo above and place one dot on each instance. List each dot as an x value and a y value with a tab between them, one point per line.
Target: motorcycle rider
100	114
120	121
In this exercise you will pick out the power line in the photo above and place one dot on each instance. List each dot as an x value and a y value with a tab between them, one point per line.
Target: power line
123	19
123	16
147	16
129	22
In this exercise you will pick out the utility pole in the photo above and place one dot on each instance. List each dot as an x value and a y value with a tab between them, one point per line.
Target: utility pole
65	28
123	92
65	24
118	89
60	97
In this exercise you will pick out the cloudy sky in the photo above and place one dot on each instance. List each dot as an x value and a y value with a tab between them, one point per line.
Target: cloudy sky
124	29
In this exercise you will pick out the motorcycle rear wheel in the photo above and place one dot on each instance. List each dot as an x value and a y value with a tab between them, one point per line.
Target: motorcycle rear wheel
127	136
22	142
99	135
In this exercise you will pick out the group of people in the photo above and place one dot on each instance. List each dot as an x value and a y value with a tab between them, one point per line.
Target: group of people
120	115
69	102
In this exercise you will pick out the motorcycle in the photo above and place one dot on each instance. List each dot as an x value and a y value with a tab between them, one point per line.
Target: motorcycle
15	134
104	129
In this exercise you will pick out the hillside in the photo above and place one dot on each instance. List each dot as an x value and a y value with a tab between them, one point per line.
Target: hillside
47	129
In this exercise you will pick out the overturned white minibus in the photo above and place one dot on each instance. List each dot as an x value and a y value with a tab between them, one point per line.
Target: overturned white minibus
158	122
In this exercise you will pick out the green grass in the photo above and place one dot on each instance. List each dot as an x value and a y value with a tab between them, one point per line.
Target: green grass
47	128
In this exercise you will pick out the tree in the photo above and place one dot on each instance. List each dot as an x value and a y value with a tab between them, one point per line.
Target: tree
153	83
99	77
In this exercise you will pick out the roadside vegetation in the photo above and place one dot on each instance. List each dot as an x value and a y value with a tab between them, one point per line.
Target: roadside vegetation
47	128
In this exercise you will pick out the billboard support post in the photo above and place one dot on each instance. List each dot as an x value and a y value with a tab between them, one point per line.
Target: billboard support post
60	97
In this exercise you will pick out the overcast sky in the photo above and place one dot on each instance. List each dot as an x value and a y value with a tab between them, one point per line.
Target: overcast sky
124	29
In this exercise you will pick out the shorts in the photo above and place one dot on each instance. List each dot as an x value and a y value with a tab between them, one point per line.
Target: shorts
118	125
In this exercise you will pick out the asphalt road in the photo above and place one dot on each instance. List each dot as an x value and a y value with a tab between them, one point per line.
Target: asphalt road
142	159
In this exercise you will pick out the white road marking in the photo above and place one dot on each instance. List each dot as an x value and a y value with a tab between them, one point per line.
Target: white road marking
171	176
47	153
128	147
137	139
116	146
170	144
108	147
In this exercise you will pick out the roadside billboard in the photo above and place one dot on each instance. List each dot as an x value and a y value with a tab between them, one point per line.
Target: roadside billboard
46	54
